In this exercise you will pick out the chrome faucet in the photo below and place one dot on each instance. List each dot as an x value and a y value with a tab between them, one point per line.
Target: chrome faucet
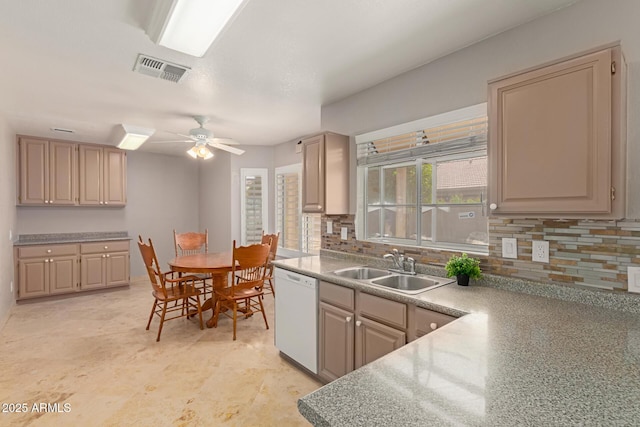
399	262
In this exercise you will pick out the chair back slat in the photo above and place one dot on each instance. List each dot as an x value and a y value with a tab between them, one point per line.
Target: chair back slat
249	266
191	243
271	239
151	263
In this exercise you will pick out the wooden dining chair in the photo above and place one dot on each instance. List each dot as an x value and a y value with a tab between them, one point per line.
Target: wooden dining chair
272	240
191	243
249	267
167	289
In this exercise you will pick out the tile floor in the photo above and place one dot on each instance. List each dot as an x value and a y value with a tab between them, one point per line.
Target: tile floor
93	353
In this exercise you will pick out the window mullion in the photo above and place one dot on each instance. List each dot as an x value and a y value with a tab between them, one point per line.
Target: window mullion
419	202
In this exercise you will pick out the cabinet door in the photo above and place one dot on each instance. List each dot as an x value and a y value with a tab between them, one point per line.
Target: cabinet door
91	172
117	269
63	171
335	342
115	182
313	178
374	340
34	171
34	277
550	139
92	275
63	274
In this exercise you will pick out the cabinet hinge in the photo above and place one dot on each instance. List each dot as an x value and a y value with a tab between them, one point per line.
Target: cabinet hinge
613	193
613	67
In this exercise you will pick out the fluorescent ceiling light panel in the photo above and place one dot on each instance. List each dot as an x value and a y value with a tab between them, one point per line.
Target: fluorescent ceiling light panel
190	26
132	137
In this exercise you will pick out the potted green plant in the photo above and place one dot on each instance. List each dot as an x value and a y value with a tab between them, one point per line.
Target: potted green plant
464	268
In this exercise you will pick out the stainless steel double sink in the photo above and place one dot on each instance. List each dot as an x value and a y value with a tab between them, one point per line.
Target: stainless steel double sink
395	281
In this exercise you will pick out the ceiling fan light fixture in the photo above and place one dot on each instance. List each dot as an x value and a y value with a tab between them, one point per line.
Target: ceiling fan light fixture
191	26
200	151
132	137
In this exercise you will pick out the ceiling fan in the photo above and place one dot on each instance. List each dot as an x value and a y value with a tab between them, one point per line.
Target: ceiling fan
202	138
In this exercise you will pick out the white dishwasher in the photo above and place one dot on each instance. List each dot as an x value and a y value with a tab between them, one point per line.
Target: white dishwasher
296	328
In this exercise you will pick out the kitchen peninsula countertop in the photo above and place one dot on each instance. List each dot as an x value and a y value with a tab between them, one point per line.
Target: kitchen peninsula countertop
512	358
61	238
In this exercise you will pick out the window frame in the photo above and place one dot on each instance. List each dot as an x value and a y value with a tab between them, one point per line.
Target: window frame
439	153
264	196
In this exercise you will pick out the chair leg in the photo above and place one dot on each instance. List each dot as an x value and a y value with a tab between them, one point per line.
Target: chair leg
164	311
273	289
216	313
199	311
264	316
235	318
153	309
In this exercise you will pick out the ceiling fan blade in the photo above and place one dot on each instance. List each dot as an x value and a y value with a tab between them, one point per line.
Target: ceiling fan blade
220	146
164	142
226	141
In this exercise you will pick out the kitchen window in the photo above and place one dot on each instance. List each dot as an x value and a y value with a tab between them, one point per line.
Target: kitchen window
426	187
299	233
253	204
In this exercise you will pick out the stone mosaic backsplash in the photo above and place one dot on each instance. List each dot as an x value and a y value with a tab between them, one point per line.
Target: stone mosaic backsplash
592	253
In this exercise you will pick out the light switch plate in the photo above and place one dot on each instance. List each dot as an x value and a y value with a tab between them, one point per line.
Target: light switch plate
343	233
329	227
633	284
540	251
509	247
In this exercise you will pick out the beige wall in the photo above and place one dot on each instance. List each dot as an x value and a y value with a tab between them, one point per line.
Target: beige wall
460	79
7	218
162	194
214	200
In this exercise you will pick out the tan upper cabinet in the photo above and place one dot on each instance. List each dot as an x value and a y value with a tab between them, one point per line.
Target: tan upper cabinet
48	172
325	174
102	176
557	139
64	173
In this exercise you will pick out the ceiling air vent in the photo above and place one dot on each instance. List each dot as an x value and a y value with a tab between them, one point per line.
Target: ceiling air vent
158	68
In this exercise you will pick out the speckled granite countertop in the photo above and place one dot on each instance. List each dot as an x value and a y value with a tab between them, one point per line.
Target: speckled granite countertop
55	238
514	359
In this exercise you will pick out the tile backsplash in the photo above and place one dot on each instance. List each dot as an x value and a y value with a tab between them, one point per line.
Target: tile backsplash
592	253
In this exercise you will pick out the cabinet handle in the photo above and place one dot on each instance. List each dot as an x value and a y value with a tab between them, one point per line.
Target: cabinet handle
46	260
104	256
358	323
493	206
50	201
107	255
101	202
48	251
106	203
348	319
106	247
434	326
46	201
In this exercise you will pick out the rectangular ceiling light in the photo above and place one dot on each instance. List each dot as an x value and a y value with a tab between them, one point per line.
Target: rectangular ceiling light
190	26
132	137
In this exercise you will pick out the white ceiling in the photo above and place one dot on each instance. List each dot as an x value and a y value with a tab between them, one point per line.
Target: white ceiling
68	63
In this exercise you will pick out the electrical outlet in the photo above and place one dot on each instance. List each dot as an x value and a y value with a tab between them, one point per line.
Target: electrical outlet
329	227
509	247
540	251
11	286
343	233
633	284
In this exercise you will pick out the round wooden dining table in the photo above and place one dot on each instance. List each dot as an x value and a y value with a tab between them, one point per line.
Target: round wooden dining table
217	264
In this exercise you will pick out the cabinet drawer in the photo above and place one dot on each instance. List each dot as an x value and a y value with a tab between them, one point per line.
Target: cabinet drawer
383	310
337	295
103	247
48	250
428	321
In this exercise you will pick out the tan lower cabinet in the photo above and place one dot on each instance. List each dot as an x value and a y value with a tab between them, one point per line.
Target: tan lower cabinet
44	270
374	340
104	264
336	342
428	321
348	336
